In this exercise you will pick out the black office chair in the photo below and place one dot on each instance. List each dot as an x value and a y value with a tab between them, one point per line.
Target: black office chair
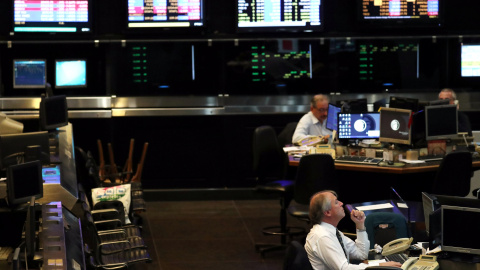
315	173
454	175
383	227
269	166
286	135
296	258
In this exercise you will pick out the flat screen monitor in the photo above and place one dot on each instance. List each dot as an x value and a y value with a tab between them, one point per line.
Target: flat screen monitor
279	16
151	14
53	112
29	73
46	16
24	181
14	147
353	105
439	102
395	125
470	60
400	13
359	125
404	103
70	73
441	122
332	116
458	224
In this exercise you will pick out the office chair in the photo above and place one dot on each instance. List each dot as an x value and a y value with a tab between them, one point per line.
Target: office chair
383	227
296	258
454	174
315	173
286	135
269	166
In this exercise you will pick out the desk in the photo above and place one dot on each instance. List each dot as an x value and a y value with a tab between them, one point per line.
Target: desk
430	166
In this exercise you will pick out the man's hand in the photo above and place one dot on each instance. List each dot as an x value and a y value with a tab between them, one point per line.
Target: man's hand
394	264
358	217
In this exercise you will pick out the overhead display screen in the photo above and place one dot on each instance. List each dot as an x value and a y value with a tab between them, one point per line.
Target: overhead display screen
164	13
276	15
51	16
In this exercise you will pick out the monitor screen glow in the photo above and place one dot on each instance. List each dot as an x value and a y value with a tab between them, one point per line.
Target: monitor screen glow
470	60
358	125
271	15
29	73
395	125
70	73
332	116
441	122
51	16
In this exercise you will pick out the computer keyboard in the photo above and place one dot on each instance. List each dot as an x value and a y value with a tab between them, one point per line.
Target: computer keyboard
398	257
358	160
431	158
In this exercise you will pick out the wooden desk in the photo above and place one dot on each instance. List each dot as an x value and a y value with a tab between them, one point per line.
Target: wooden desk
430	166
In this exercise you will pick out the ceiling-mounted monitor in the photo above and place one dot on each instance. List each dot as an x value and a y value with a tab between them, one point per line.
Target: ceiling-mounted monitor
155	14
401	13
279	16
47	16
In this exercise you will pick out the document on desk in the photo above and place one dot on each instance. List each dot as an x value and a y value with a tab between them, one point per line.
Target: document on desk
375	206
411	161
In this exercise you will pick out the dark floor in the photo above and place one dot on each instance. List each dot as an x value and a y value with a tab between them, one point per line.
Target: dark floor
211	234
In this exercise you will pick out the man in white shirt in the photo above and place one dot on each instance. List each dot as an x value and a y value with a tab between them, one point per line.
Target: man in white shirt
328	248
314	123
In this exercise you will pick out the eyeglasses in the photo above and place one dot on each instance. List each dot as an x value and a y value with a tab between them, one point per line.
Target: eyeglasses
322	110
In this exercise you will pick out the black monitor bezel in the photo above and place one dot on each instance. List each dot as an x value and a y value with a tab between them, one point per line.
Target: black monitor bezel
394	140
53	102
428	112
411	102
467	233
29	86
11	185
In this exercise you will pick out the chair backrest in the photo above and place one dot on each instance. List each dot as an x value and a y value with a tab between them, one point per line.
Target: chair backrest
315	173
269	160
296	257
454	175
286	135
383	227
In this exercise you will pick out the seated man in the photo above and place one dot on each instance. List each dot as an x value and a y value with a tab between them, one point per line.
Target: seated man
463	121
328	248
315	121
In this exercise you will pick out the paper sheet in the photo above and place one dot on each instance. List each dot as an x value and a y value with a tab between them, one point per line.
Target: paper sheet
375	206
411	161
402	205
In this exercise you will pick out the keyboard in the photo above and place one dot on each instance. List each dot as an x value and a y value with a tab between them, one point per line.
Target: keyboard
358	160
398	257
431	158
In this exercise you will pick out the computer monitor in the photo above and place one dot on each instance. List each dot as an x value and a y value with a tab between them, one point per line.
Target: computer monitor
439	102
353	105
70	73
404	103
459	227
332	116
27	146
29	73
441	122
148	14
279	16
417	130
359	125
53	112
470	60
24	181
45	16
395	125
400	13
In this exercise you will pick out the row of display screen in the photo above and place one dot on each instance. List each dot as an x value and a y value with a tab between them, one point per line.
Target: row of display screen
266	15
72	73
395	125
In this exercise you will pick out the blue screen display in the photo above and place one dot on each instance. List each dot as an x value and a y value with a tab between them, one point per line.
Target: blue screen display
332	116
71	73
359	125
29	73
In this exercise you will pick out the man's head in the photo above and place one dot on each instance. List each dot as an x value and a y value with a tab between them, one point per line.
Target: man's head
319	107
325	207
449	94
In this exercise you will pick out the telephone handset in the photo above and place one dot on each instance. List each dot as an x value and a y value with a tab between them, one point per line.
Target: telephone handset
396	246
425	262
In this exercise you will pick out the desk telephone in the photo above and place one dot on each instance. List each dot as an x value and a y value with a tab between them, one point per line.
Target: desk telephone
425	262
